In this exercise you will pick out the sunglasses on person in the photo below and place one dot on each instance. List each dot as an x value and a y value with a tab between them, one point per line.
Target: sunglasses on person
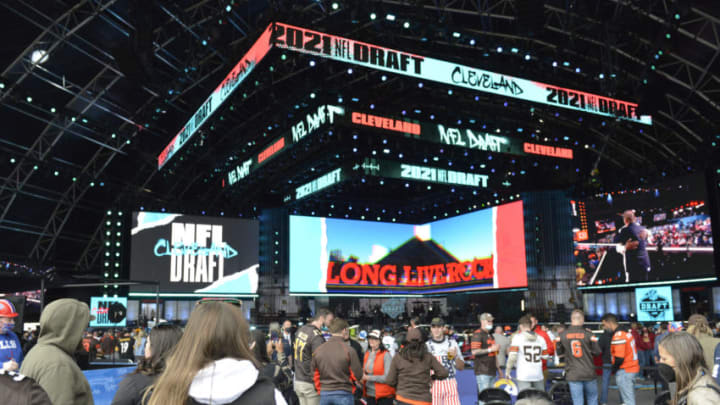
232	301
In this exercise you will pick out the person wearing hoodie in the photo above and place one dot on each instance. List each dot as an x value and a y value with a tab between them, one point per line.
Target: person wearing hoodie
158	347
682	361
213	364
410	371
50	362
527	350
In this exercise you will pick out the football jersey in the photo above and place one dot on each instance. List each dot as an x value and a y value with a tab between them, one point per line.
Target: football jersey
531	350
623	346
440	351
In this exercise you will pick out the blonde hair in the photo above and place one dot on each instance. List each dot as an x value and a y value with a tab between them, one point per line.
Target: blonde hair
690	365
215	330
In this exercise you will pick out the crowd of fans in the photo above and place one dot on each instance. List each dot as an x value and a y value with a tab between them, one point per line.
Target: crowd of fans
217	359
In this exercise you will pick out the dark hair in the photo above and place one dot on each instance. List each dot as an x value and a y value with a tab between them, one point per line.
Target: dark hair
260	348
415	320
338	325
413	349
525	321
163	340
611	318
321	313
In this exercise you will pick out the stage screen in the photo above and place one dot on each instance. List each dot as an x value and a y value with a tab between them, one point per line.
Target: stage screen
669	240
108	311
654	304
194	254
480	250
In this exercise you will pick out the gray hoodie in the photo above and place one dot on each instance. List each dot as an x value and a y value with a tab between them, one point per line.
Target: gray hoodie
50	362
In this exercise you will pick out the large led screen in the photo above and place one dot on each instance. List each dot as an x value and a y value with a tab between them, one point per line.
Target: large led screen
191	254
655	234
480	250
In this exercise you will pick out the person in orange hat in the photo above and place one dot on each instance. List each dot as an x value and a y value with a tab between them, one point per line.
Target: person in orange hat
11	355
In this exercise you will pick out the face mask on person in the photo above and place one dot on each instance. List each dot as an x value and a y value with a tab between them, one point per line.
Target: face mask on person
488	327
8	327
666	372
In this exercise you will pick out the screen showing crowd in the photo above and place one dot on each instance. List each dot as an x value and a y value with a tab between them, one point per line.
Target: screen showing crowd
658	233
480	250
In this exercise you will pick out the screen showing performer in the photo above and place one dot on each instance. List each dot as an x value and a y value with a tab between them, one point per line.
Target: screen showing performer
674	243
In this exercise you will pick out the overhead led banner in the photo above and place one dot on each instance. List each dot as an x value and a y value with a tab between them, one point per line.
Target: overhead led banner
323	115
360	53
326	180
236	76
406	171
461	137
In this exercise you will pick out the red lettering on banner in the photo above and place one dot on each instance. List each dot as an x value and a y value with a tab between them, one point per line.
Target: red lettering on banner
390	124
370	274
544	150
332	279
271	150
388	279
346	279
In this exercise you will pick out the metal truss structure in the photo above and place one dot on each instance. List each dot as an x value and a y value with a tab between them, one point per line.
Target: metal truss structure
197	41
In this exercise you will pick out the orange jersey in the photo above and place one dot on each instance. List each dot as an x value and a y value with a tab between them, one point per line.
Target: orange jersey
623	346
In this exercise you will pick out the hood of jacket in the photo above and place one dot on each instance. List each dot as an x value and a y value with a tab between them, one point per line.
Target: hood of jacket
223	381
530	336
62	324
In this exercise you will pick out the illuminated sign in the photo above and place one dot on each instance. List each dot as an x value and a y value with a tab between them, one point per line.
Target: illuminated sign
271	150
545	150
197	252
360	53
654	304
108	311
239	172
313	121
386	123
236	76
472	140
404	171
325	114
442	176
320	183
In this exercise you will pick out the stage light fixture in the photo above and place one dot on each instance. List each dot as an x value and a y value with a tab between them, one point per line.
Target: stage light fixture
499	49
29	99
312	63
383	77
601	76
577	70
373	16
514	50
228	8
12	160
554	64
456	34
390	17
312	95
52	110
350	71
204	42
406	24
472	42
527	57
335	6
39	56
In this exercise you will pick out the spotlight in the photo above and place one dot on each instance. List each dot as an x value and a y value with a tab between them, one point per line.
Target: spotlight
555	64
499	49
527	57
456	34
577	70
228	8
472	42
312	63
601	76
335	6
39	56
350	71
390	17
406	24
373	16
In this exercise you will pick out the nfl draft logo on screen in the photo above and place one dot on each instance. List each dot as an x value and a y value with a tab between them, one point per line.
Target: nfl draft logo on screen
654	304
